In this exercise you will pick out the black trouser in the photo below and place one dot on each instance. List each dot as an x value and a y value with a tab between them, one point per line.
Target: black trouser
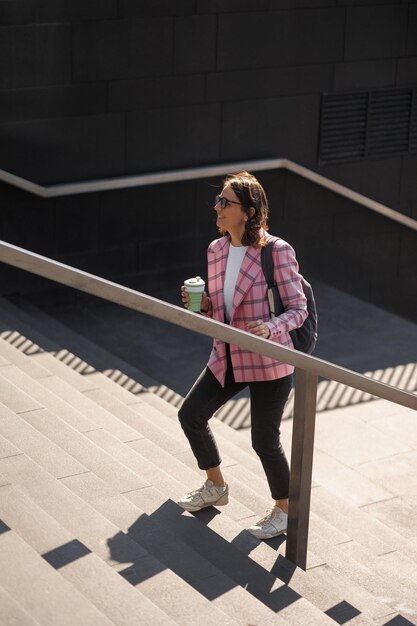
268	400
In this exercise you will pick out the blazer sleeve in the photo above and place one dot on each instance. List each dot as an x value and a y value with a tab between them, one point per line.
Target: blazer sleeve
290	288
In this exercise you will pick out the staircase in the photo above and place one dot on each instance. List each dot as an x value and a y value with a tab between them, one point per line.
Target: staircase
90	532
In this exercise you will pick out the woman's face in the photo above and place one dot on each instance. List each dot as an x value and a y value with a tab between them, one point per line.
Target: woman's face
232	217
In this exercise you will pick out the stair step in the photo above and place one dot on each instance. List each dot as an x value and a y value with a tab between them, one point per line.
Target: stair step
48	352
81	455
167	408
40	589
73	341
344	481
61	390
12	325
236	470
70	440
66	343
98	416
82	521
100	584
399	475
7	448
136	407
397	513
228	529
160	585
39	448
187	475
231	536
226	545
384	415
241	461
132	418
402	569
14	356
164	544
163	540
172	480
12	613
358	523
254	500
74	408
12	397
364	570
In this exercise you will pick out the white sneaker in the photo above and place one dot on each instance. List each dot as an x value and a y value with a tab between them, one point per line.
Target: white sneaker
208	495
274	523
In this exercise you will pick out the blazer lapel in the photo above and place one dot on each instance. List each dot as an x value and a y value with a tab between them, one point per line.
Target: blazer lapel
221	252
222	271
249	271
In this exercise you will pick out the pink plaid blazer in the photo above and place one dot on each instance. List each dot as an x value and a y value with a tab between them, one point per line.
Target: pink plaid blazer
250	304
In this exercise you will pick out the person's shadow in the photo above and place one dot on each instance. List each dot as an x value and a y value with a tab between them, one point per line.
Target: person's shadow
184	544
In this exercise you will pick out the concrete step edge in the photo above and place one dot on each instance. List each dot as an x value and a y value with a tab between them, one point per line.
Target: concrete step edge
95	541
62	336
110	592
13	612
47	580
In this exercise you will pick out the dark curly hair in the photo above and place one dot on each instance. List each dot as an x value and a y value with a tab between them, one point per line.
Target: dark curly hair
252	196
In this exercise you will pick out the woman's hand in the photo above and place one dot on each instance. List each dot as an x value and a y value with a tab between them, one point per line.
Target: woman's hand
258	328
185	297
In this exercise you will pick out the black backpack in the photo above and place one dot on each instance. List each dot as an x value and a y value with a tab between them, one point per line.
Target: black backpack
305	337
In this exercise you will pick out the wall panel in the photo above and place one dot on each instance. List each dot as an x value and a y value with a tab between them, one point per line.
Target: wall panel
111	87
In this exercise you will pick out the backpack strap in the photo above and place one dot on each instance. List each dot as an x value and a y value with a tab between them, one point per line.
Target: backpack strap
305	337
267	262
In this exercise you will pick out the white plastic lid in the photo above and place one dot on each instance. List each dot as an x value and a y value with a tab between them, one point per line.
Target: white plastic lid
195	282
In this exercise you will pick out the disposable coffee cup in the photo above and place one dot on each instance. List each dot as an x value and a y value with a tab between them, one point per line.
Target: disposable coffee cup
194	287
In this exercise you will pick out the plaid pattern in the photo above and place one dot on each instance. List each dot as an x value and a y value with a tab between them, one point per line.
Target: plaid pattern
250	304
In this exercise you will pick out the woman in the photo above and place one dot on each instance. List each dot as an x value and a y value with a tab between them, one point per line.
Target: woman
237	296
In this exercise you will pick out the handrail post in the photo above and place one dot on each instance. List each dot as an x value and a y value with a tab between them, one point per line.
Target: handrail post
301	466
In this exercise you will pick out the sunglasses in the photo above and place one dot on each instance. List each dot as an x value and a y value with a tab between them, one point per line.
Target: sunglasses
224	201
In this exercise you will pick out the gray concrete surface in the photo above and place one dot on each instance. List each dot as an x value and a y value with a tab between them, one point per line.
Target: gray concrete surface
365	456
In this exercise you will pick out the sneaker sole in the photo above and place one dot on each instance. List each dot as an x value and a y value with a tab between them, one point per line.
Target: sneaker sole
193	509
269	536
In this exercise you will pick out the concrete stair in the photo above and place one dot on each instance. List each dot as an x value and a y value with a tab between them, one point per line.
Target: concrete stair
89	475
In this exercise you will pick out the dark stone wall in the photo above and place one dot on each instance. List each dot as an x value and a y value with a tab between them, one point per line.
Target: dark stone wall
152	238
112	87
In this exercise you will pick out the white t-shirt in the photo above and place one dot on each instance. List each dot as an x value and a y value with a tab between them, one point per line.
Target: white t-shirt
234	261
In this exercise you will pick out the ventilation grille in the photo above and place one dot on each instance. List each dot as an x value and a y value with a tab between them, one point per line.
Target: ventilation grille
358	125
413	130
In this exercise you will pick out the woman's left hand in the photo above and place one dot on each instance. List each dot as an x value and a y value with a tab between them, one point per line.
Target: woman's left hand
258	328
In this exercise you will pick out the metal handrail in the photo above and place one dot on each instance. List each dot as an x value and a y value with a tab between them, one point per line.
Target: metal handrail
206	171
308	370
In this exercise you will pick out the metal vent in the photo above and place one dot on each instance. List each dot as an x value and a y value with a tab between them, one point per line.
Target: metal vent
367	124
343	127
413	129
